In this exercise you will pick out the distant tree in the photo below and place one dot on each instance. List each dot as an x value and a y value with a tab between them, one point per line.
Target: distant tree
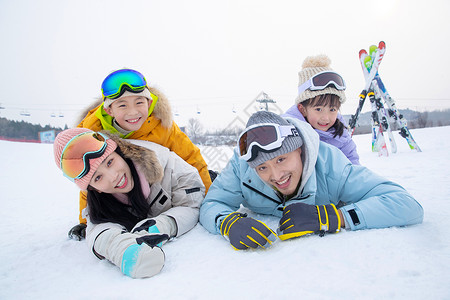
194	130
422	119
22	129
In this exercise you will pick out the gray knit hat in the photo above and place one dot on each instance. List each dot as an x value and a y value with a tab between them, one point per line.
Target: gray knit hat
289	144
311	66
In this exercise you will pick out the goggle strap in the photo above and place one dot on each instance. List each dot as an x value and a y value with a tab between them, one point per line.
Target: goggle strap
306	85
123	88
255	148
288	130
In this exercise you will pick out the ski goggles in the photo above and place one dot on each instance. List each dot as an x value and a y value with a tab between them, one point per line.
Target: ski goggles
263	137
322	80
77	152
117	82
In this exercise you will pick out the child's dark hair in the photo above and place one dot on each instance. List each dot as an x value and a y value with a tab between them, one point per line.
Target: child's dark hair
104	207
331	100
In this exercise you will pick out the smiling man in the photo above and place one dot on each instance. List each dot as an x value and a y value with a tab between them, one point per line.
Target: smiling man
281	168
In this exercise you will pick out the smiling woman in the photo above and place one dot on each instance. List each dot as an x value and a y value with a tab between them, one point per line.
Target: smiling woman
113	175
138	196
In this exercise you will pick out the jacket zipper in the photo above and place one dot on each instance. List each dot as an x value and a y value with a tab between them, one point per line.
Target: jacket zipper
276	201
262	194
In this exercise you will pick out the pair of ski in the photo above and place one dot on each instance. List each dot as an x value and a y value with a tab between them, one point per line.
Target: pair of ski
376	91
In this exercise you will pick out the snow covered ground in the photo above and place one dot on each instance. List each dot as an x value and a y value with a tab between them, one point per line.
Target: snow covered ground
38	261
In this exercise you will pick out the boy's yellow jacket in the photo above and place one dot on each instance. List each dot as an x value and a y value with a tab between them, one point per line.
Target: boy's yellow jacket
159	128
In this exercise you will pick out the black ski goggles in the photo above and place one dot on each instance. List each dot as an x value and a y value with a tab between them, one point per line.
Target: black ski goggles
263	137
323	80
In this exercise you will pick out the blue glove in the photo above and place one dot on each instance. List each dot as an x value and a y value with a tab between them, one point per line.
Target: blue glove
244	233
300	219
134	254
141	260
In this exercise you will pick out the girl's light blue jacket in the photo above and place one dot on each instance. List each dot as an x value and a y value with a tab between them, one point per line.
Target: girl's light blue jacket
366	199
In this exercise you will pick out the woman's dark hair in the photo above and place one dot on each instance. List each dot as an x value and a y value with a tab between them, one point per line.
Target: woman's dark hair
104	207
331	100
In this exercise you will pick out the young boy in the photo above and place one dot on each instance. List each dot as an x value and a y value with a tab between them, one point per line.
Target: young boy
133	110
281	168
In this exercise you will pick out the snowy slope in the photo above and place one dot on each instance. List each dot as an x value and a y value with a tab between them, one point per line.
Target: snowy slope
38	261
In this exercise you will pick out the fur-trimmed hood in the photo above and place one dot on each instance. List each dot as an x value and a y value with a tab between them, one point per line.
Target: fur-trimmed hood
162	110
145	158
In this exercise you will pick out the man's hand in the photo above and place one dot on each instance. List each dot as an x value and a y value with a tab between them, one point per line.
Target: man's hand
244	233
301	219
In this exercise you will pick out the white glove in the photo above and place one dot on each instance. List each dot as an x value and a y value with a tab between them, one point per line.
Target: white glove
130	253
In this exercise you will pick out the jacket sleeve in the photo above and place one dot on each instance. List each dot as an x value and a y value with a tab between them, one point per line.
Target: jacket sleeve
94	231
187	193
112	242
224	197
180	143
348	146
83	204
372	201
349	149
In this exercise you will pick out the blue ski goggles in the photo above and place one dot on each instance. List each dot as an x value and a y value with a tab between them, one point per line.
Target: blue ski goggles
323	80
263	137
116	83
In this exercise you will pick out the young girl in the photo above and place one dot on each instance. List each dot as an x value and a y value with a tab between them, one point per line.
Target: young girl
139	195
320	95
132	109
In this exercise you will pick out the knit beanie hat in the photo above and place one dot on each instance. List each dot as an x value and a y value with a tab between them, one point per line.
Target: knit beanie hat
61	141
311	66
145	93
289	144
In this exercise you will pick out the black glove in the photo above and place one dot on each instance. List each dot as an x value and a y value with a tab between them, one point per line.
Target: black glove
300	219
246	232
150	233
152	240
212	174
78	232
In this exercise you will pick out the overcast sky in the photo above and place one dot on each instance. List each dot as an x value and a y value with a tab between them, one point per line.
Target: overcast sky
214	57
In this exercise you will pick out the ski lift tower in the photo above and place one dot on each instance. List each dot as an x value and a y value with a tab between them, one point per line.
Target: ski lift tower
264	100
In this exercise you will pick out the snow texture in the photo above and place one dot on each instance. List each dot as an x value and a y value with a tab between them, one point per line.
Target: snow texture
39	261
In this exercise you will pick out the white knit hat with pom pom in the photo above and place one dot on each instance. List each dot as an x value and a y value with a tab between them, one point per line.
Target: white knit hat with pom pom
311	66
